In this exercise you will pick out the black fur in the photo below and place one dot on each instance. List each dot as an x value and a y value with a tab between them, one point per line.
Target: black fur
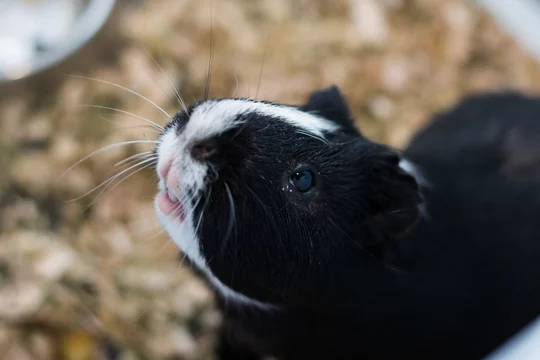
330	104
354	273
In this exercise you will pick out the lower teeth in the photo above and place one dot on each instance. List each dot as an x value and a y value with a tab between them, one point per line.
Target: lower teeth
171	196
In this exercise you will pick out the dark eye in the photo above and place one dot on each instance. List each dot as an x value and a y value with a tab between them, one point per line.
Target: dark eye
303	180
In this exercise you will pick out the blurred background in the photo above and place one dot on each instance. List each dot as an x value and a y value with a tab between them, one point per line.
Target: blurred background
94	277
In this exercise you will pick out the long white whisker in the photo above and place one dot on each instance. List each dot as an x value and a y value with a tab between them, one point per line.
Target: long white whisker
248	87
178	97
232	216
100	195
184	255
134	161
136	156
262	66
148	127
203	209
105	148
181	204
125	89
181	262
163	247
111	179
138	127
149	122
237	84
197	203
211	57
149	162
194	206
151	237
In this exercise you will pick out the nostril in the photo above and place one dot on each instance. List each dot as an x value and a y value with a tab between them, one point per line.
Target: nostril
203	150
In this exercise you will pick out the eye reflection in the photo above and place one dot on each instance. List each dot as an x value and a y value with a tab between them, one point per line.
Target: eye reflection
303	180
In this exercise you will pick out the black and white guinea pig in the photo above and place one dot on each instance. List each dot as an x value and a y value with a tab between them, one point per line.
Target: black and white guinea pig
323	244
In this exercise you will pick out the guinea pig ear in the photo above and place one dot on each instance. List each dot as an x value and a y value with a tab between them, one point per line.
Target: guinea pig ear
330	104
399	199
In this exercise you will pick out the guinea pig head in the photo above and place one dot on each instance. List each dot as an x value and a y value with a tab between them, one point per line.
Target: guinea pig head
274	204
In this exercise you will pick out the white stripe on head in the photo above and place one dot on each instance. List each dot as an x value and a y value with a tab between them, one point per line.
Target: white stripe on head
215	117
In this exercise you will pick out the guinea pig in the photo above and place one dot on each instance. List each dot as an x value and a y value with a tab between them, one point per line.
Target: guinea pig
323	244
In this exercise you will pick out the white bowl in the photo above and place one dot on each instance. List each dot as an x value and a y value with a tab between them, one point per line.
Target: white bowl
37	34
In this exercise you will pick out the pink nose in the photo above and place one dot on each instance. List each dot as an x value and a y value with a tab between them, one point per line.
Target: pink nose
171	181
165	168
169	175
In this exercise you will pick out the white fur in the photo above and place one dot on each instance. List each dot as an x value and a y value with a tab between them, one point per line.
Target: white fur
183	234
192	173
412	169
215	117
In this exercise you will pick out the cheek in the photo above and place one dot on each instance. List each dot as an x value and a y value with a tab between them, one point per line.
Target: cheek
165	151
194	174
183	235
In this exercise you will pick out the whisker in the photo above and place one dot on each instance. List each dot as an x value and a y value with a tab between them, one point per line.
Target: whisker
181	262
202	211
111	179
151	237
237	84
248	87
134	161
162	248
125	89
211	57
195	205
76	299
149	122
262	65
136	156
152	163
184	255
148	127
232	217
182	205
192	96
105	148
401	210
177	93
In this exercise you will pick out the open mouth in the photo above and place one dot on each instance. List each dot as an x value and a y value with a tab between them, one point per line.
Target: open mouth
169	204
167	201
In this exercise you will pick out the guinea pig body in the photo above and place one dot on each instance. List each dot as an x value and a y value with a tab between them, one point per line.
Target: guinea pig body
322	244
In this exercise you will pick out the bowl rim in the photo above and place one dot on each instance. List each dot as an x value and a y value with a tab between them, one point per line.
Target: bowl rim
93	17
